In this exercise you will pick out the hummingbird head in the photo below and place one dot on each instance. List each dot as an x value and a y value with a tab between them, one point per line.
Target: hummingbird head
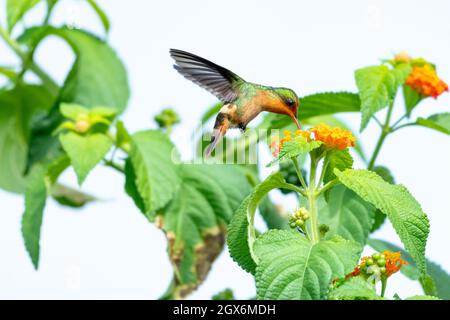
290	103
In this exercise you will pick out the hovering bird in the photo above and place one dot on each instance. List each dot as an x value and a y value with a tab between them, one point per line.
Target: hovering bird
243	100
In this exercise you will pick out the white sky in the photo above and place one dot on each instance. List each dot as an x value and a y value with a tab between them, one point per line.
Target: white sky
108	249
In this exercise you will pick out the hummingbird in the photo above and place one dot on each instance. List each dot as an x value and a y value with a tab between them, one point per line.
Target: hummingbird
243	100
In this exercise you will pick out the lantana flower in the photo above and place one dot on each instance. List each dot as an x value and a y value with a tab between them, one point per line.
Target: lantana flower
333	138
386	264
425	81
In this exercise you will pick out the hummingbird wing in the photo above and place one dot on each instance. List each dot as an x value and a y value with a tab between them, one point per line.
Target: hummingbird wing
221	82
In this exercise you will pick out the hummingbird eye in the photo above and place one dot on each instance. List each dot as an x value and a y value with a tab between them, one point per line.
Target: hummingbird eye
290	102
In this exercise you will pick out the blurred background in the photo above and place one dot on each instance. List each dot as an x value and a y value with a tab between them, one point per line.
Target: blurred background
108	249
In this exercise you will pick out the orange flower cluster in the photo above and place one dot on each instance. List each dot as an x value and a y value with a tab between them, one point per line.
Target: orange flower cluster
393	262
425	81
334	138
388	263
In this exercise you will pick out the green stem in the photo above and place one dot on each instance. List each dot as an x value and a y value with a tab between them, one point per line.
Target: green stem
403	126
299	173
384	133
114	165
48	82
324	169
383	286
329	185
312	202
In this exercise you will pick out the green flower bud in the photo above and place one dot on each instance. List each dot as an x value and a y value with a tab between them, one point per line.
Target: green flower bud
381	262
383	270
376	256
369	262
167	118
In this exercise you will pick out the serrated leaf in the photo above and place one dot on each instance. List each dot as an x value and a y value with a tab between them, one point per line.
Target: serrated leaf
404	212
315	105
337	159
85	152
386	174
17	109
377	87
16	9
440	277
298	146
355	288
439	122
347	215
241	232
154	161
291	267
195	220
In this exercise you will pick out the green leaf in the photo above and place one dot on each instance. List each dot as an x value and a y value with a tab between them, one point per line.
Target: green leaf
291	267
131	188
298	146
97	78
386	174
355	288
440	277
16	9
439	122
70	197
226	294
347	215
422	298
85	152
39	182
404	212
339	159
411	97
101	14
154	161
195	220
241	232
316	105
377	86
35	198
17	109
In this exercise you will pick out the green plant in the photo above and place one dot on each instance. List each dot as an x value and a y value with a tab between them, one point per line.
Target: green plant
46	127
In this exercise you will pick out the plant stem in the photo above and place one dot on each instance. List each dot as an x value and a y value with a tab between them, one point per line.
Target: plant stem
312	202
114	165
48	82
384	132
322	174
299	173
383	286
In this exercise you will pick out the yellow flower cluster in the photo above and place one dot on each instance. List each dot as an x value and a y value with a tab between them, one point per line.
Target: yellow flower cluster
425	81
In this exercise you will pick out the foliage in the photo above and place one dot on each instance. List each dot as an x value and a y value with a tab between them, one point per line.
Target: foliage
310	253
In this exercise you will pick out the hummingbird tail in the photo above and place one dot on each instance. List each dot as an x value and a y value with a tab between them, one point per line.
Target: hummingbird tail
220	128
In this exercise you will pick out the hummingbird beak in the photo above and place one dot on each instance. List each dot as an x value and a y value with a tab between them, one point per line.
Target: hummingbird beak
294	118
